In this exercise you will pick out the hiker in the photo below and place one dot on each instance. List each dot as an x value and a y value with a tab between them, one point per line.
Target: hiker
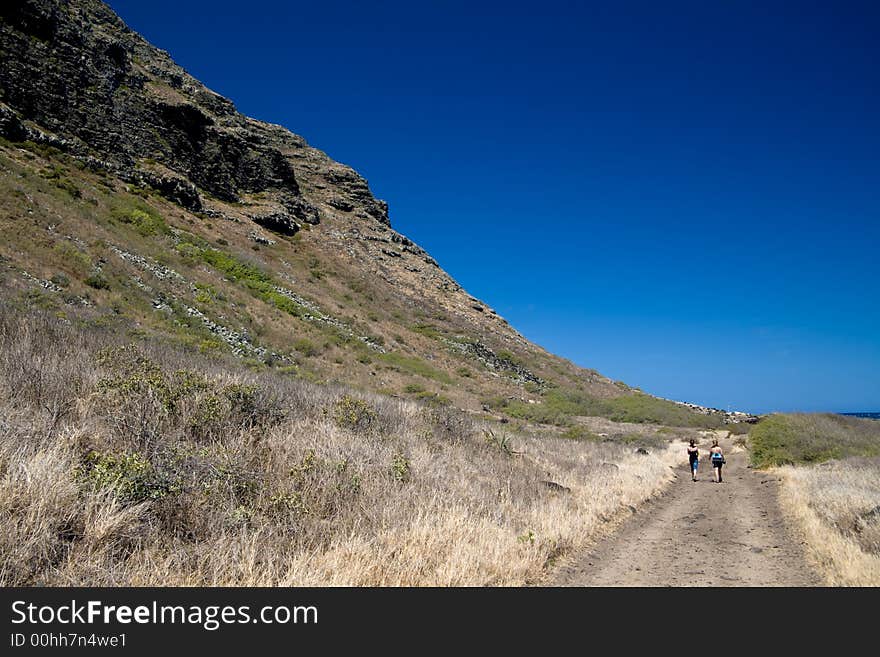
717	458
694	457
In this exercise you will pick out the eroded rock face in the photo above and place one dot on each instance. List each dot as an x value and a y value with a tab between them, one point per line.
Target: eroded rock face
178	190
121	98
355	188
75	76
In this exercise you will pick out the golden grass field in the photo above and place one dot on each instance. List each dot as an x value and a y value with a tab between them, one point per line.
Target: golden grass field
140	466
836	505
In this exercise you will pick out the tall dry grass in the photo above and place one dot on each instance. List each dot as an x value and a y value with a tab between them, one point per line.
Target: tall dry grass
143	465
837	506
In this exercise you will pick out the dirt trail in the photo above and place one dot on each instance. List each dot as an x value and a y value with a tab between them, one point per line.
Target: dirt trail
700	534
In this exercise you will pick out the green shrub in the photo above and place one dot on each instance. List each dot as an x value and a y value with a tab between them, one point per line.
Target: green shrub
413	388
60	280
285	504
414	366
97	281
279	300
243	406
509	357
527	537
400	468
56	174
131	477
233	268
188	251
252	277
252	404
305	347
433	398
210	411
203	296
495	401
146	220
355	414
577	432
428	330
69	186
40	299
45	150
73	258
209	345
133	374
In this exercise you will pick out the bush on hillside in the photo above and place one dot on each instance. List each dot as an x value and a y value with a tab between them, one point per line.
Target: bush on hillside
781	439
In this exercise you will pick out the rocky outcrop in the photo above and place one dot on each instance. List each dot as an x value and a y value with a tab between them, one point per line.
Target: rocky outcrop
174	188
355	189
122	99
494	362
76	77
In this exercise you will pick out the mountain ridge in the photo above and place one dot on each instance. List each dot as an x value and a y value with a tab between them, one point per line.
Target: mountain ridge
243	229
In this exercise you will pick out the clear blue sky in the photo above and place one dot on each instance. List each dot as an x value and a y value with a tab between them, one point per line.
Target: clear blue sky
684	196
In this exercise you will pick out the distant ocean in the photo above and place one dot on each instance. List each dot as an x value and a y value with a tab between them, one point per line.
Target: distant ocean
873	416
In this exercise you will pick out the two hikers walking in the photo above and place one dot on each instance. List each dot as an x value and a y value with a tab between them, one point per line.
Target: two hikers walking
716	457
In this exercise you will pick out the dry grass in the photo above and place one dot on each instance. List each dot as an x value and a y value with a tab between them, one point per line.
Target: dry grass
151	466
837	506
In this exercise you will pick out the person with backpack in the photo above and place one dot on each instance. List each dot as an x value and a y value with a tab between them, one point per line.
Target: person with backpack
716	456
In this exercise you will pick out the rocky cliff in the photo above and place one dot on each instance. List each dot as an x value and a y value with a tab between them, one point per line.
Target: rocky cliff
101	91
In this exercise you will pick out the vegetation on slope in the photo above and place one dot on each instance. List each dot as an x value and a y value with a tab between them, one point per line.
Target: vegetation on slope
830	475
796	438
137	258
559	406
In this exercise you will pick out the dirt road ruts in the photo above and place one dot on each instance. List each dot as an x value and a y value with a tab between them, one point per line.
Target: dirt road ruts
700	534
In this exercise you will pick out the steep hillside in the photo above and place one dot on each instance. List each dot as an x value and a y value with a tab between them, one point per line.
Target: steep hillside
135	197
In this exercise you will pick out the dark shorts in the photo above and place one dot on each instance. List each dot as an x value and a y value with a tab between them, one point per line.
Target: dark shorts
717	463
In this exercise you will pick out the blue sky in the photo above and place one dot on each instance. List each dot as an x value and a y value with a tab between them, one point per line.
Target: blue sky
682	195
